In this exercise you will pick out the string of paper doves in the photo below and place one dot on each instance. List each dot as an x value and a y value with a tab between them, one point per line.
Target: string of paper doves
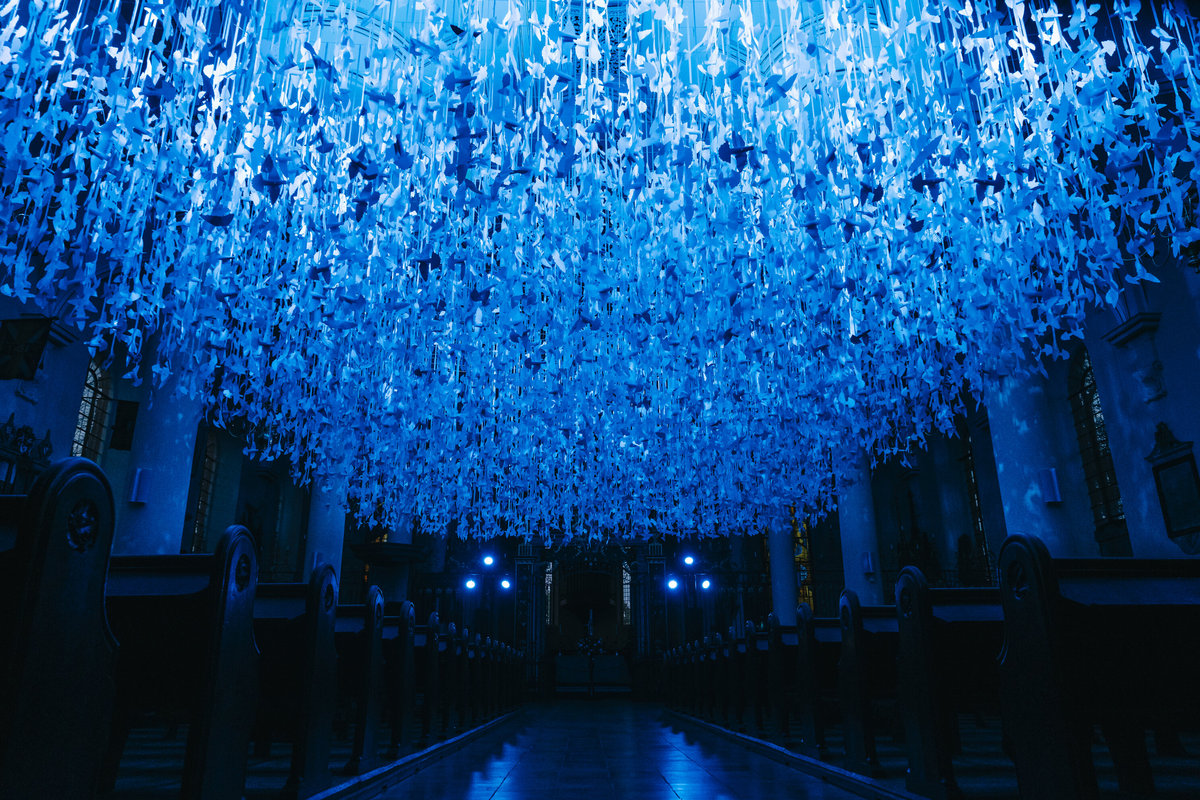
589	269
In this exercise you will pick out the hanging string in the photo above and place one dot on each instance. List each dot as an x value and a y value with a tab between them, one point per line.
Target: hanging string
589	270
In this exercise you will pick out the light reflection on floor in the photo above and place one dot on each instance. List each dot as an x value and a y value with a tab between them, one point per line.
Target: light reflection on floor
606	748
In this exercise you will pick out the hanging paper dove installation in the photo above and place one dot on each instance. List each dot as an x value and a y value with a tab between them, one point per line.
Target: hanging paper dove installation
588	268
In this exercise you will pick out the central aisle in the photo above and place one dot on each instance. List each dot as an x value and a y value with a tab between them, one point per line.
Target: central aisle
601	749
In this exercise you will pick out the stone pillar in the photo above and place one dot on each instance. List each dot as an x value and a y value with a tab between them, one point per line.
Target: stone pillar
639	594
1134	411
737	561
326	528
781	549
1027	439
655	598
860	538
531	591
152	498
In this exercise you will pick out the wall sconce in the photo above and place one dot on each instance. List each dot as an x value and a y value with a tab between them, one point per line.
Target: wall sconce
1048	483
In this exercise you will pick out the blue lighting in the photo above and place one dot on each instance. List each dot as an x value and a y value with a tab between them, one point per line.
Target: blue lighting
505	584
672	584
706	583
606	403
488	561
470	583
689	560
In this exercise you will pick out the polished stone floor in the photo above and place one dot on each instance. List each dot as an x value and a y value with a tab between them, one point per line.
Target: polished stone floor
606	748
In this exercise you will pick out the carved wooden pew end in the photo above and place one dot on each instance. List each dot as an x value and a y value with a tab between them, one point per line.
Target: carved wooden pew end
359	637
294	626
56	652
189	617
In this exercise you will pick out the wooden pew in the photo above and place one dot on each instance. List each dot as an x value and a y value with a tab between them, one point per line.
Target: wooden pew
498	670
516	677
481	678
477	678
447	677
505	677
358	633
459	669
723	675
684	673
185	628
56	652
781	667
704	687
819	644
694	688
680	677
675	678
866	676
1109	642
756	674
399	629
719	655
487	657
739	676
294	627
427	645
950	641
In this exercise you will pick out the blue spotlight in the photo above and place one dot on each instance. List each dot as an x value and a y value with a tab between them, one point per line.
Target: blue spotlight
705	584
505	584
488	561
470	583
689	560
672	584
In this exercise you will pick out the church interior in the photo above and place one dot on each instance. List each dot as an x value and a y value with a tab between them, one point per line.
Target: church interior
650	398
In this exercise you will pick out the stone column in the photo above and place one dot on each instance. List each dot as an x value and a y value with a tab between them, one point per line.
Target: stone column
152	498
781	549
639	590
656	599
531	590
1035	483
737	561
1134	411
860	538
326	528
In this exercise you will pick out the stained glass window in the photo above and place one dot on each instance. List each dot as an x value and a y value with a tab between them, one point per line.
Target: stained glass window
200	494
1103	492
626	597
91	425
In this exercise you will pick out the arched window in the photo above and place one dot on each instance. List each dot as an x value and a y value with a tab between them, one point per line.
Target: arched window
1112	535
92	422
803	559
